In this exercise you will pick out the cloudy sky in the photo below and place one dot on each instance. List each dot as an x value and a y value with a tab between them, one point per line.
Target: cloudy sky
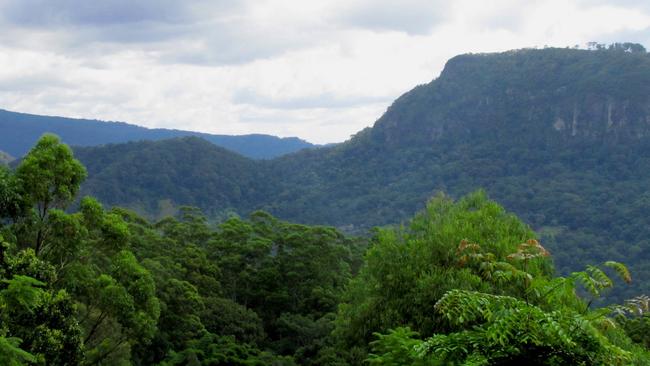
320	70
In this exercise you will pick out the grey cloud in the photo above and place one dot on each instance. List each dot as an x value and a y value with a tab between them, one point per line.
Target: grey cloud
409	16
142	35
325	100
228	43
83	23
48	13
199	32
84	99
32	83
45	13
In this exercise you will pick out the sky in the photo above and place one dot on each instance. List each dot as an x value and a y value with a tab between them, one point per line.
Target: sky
319	70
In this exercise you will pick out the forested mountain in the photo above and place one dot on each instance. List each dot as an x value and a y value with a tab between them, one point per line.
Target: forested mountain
19	132
162	174
559	136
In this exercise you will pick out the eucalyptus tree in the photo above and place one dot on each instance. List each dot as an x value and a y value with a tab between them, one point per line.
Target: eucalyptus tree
49	178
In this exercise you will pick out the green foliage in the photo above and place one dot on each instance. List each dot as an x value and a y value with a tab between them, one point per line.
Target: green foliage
155	172
34	317
634	316
275	267
118	308
638	329
216	350
504	330
108	288
538	328
396	348
50	177
226	317
409	269
11	354
21	292
271	285
486	329
11	202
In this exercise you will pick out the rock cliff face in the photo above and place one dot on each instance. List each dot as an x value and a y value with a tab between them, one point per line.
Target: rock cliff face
550	94
604	118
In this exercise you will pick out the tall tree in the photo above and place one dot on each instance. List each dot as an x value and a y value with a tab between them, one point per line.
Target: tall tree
49	177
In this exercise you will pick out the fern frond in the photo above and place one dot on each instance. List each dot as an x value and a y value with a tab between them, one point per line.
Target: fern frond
600	278
587	282
621	270
637	306
24	291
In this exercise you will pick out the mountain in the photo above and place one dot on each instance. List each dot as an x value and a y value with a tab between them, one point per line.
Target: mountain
162	174
19	132
561	137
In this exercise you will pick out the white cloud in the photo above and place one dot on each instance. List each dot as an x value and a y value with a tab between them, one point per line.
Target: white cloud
321	70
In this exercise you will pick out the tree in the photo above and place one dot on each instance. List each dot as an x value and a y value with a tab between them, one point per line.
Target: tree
115	295
408	269
546	324
49	177
11	203
33	315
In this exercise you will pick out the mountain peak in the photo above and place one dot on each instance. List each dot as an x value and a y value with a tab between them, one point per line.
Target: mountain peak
541	95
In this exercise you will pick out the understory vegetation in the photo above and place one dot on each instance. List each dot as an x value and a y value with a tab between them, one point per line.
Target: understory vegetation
464	282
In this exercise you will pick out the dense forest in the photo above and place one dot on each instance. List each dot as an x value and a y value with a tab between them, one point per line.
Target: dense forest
560	137
462	282
19	131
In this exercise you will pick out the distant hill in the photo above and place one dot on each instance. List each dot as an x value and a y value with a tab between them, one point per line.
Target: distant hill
19	132
163	174
561	137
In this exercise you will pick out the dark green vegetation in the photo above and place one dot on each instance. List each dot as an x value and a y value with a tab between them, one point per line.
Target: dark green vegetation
561	137
19	131
463	282
99	287
461	285
161	175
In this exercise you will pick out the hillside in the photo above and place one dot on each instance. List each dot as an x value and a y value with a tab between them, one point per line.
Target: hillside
159	176
19	132
558	136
